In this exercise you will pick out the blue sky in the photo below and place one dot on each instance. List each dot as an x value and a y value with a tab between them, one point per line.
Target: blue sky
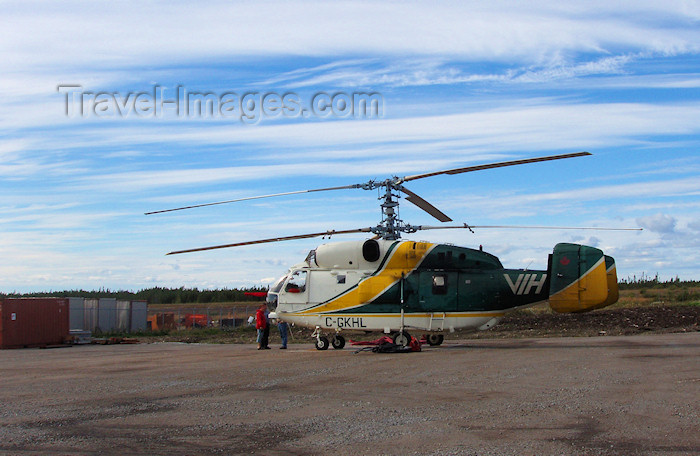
462	84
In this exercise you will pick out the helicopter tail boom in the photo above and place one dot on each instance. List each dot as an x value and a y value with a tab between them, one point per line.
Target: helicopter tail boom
582	279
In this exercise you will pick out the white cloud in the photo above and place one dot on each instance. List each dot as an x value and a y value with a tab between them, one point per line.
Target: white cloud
539	125
427	71
72	34
659	223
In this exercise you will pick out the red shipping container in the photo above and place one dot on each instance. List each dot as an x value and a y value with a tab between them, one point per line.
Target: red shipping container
33	322
197	321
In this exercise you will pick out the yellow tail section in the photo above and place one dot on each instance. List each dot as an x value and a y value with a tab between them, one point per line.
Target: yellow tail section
580	279
613	290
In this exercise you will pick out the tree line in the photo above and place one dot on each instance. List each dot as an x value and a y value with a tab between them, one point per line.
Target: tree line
182	295
645	281
155	295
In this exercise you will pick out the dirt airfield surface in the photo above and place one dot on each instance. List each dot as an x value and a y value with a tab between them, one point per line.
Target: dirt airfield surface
557	396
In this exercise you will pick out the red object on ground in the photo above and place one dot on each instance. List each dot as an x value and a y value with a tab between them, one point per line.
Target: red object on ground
33	322
415	344
257	294
381	340
197	320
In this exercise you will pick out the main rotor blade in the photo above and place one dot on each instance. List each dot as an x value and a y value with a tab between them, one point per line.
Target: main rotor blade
252	198
526	227
277	239
495	165
426	206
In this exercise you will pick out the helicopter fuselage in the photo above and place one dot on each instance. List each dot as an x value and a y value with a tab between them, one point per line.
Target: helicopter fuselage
382	285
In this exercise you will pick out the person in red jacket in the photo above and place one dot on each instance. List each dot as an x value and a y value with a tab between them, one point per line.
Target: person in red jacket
262	324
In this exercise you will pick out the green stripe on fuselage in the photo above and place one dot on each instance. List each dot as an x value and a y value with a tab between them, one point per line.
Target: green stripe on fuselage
453	279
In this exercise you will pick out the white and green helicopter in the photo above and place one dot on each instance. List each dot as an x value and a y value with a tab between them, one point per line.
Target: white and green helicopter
395	286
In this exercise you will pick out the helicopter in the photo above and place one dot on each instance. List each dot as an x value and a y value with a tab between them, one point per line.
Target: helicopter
395	286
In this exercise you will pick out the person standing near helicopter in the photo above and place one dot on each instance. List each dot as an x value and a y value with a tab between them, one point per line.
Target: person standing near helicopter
262	324
284	330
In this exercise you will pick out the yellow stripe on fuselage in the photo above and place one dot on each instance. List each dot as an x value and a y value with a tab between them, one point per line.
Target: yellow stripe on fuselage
404	259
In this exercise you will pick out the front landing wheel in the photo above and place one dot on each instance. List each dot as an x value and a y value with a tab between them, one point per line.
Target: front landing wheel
322	343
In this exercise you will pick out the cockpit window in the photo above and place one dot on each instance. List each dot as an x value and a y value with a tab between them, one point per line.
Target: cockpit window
278	285
297	283
439	284
271	301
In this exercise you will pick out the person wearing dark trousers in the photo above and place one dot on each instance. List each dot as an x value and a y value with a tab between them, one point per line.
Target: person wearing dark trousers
284	329
262	324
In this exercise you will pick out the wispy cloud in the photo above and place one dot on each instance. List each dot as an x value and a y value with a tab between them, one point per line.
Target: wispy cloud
536	127
426	72
312	28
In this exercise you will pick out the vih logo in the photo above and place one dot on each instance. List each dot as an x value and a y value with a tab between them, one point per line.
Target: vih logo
525	283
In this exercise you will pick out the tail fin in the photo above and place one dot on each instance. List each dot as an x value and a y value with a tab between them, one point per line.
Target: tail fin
582	279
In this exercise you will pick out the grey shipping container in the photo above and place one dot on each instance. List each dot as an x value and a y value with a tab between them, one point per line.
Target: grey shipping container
139	315
123	316
90	319
106	314
76	309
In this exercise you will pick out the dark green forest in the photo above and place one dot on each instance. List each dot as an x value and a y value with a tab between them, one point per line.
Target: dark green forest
160	295
156	295
645	281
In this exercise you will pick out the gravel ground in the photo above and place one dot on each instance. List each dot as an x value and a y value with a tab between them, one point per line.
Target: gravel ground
582	396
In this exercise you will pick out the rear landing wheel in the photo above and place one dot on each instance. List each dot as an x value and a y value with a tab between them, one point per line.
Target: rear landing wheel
322	343
435	339
338	342
402	338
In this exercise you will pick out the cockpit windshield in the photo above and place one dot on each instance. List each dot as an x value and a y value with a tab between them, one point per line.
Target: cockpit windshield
297	282
278	284
273	293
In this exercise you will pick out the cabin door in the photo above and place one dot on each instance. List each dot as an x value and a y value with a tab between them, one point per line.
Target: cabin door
437	291
479	291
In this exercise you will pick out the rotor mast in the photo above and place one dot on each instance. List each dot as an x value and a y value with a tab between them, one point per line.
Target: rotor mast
391	226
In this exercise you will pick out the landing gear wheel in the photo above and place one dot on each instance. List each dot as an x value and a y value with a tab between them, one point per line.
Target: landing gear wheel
338	342
402	338
435	339
322	343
